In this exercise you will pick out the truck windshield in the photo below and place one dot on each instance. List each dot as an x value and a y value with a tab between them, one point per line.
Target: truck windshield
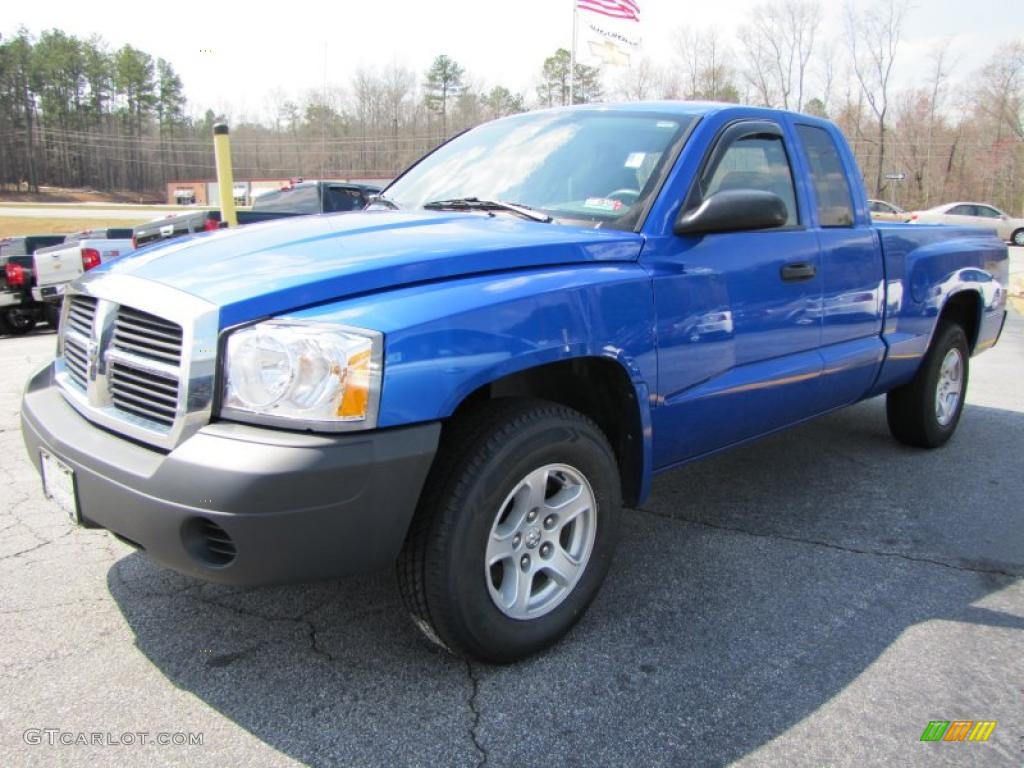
589	167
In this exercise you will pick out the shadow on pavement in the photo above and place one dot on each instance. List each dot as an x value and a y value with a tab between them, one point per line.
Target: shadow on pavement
751	590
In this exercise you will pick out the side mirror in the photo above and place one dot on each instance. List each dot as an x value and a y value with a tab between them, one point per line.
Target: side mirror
733	210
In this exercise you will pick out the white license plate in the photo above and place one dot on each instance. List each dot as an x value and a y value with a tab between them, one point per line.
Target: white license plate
59	485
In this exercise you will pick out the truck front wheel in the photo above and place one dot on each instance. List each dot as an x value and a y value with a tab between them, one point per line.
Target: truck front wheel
925	411
515	531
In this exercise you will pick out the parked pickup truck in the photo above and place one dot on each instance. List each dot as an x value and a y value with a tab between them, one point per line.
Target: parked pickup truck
294	199
471	378
19	312
58	265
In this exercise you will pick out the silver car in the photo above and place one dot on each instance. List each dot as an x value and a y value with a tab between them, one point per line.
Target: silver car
974	215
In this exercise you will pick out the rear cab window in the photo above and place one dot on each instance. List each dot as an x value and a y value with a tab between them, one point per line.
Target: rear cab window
301	199
831	188
340	198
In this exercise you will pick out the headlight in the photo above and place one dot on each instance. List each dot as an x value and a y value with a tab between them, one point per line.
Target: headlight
307	375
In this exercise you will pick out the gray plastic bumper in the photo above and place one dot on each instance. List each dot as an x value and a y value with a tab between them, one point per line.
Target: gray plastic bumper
295	506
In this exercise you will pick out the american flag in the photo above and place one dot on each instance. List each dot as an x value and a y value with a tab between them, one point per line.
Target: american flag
618	9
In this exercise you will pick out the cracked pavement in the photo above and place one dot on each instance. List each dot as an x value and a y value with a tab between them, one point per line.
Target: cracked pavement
812	599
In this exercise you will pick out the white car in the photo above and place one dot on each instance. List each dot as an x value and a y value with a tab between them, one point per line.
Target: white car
882	211
58	265
982	215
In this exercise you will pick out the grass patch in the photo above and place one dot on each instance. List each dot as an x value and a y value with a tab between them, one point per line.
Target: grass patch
11	226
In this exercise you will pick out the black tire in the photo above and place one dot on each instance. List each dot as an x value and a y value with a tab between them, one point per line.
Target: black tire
483	456
1017	238
52	314
911	409
18	321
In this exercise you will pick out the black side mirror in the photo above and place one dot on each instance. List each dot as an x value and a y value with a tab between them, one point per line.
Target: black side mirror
733	210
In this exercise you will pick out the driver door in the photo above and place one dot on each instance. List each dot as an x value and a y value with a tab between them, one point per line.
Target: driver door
739	313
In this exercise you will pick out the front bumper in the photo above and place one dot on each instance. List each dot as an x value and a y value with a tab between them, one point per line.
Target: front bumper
296	506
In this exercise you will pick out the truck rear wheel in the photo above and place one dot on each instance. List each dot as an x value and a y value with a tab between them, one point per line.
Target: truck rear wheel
515	531
925	411
18	321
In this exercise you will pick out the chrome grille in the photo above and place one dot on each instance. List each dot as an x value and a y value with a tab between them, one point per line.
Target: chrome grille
146	395
145	351
140	333
76	361
146	375
77	332
81	314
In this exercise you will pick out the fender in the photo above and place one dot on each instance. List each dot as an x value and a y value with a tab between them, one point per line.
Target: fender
445	340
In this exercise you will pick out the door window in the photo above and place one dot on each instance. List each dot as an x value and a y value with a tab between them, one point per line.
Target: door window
986	212
753	161
961	210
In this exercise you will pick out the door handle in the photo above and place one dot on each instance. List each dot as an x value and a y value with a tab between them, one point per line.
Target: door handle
800	270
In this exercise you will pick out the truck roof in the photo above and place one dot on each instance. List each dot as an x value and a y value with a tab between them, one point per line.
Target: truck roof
688	108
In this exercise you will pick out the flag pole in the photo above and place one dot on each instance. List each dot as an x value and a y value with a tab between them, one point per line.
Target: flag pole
572	57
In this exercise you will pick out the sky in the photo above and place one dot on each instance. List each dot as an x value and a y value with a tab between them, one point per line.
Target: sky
240	59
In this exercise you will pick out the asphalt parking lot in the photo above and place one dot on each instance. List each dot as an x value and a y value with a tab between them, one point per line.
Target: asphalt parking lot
814	599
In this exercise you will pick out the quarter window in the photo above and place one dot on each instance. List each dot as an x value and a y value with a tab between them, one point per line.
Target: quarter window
835	206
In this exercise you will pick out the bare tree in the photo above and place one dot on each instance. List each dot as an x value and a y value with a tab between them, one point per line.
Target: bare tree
687	44
1002	89
757	66
939	74
779	43
873	38
704	59
999	98
640	81
827	74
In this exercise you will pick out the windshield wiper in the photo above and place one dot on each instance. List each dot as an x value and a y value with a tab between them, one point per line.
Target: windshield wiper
476	204
385	201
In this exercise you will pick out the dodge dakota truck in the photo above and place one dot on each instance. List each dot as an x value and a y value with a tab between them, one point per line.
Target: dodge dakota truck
470	379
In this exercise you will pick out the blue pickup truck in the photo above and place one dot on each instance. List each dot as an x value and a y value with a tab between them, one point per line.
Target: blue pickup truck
472	377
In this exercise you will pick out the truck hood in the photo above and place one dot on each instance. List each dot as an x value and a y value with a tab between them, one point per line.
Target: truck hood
271	268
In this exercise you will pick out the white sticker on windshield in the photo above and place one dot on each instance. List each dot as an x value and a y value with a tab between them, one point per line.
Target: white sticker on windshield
635	160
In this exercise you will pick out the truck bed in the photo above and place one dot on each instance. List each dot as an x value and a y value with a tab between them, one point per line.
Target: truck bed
924	264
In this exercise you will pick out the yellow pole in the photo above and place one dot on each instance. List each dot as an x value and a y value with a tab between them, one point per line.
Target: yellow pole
225	179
